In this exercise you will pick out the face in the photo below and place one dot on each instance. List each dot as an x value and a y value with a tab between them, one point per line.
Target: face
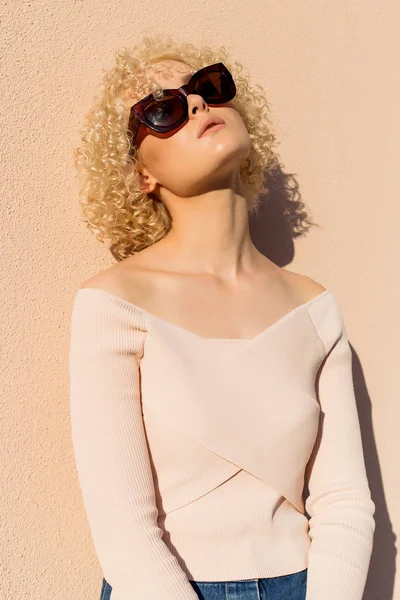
184	164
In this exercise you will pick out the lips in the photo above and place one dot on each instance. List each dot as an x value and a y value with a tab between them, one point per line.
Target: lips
207	123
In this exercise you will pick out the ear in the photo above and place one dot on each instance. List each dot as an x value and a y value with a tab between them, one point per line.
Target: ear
148	182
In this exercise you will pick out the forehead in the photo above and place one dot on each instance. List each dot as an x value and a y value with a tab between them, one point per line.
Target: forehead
171	73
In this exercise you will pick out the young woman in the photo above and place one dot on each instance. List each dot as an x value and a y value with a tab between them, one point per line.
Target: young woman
209	386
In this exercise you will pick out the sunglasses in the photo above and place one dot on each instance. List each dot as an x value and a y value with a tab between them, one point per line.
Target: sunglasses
213	83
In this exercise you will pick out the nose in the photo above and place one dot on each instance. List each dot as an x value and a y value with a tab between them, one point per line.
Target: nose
196	103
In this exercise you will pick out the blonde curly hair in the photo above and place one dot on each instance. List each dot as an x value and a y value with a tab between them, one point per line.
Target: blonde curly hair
113	204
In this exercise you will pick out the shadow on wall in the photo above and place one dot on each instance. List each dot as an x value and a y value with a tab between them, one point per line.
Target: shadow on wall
281	218
382	571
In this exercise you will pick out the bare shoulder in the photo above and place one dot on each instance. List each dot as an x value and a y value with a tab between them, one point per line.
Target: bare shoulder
106	280
127	279
303	288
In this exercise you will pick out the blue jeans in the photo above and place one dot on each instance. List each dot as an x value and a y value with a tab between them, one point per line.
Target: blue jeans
283	587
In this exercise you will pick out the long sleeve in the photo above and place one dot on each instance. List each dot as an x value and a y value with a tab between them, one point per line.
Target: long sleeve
339	504
111	452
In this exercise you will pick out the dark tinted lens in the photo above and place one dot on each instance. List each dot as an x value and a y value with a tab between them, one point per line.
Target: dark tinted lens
214	87
164	112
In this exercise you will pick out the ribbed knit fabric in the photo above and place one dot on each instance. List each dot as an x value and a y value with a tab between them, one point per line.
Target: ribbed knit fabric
192	453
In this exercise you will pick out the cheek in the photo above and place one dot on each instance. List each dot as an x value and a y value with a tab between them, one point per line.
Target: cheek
151	152
165	157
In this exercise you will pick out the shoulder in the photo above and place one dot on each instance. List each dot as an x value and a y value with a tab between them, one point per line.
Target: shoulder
106	280
119	279
301	287
327	315
103	311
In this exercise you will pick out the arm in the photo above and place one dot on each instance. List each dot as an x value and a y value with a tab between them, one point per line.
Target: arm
111	453
339	502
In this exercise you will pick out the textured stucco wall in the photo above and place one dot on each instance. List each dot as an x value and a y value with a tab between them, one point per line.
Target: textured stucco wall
331	70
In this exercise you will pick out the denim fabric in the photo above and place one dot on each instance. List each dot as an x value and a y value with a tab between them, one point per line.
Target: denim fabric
283	587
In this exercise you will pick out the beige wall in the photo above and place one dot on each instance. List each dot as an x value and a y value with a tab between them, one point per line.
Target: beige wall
331	69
